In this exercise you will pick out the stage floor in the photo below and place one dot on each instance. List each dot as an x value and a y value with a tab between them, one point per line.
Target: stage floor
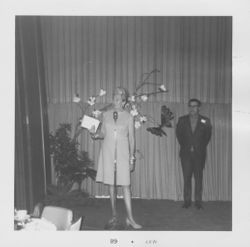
160	215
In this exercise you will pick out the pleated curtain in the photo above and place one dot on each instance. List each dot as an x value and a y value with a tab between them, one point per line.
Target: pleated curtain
194	57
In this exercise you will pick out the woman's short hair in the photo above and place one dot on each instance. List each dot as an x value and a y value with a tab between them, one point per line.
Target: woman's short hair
122	91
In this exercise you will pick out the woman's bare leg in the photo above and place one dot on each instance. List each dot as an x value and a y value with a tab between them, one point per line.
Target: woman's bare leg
112	200
127	200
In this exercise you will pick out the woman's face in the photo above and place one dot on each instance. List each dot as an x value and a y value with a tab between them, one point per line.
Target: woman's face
118	100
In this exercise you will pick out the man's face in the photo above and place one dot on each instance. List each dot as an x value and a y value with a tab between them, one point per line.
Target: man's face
193	108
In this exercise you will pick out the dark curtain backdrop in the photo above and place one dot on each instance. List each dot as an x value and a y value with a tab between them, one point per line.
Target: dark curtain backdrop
194	56
31	120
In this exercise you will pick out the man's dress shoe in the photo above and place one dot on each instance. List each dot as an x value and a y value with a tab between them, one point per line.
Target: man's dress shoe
186	204
198	205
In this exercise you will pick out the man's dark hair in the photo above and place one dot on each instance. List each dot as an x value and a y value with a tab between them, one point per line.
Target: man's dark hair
194	100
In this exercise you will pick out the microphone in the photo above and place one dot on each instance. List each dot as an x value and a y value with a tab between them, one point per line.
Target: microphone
115	115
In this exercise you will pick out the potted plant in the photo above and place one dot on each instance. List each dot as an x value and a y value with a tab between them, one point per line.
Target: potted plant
71	165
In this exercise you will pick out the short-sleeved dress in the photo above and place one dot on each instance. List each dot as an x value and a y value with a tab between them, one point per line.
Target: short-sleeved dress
115	133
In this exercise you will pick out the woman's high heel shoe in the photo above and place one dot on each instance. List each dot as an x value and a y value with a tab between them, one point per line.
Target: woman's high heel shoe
133	224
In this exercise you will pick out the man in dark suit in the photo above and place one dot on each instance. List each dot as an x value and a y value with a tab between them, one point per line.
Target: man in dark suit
193	133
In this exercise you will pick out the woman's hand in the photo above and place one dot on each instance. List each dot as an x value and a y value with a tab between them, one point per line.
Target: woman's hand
132	163
92	130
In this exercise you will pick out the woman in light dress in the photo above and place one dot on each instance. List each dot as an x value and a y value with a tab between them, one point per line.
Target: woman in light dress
118	144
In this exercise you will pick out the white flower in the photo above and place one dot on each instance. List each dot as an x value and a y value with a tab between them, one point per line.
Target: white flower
91	101
132	98
96	113
144	98
134	112
134	107
137	124
102	92
76	99
203	121
143	119
163	88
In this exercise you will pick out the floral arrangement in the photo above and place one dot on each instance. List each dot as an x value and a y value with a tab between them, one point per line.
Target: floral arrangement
136	100
133	105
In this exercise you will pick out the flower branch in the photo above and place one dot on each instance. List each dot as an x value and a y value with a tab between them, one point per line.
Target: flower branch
143	82
84	106
136	99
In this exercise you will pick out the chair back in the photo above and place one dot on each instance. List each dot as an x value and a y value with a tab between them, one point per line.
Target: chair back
60	217
77	225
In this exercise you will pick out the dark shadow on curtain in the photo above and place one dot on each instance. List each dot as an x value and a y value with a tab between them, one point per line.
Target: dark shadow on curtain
32	165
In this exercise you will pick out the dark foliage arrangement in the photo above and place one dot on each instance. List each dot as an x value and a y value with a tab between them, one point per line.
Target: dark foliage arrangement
71	165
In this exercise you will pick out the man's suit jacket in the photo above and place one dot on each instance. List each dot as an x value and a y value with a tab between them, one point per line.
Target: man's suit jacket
197	139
